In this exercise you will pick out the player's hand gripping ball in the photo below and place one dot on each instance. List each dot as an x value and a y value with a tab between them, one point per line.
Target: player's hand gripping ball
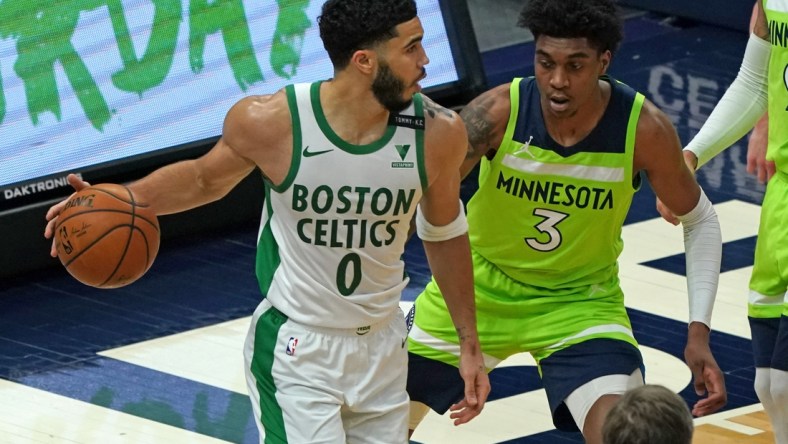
105	238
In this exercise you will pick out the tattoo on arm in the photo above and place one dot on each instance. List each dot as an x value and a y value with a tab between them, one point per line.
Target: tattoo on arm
479	127
461	334
433	109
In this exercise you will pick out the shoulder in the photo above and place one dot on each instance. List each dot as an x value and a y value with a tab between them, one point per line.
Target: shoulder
257	118
491	104
653	122
441	123
486	118
656	140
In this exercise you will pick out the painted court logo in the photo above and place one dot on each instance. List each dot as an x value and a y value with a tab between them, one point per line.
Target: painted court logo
403	153
291	346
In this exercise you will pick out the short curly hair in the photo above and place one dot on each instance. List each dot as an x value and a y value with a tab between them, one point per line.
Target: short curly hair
349	25
596	20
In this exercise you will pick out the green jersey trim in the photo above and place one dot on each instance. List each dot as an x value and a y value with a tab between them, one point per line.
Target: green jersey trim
295	158
514	100
766	311
265	341
267	258
632	129
338	141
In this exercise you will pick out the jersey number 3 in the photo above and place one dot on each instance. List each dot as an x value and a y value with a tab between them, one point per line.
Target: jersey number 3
547	228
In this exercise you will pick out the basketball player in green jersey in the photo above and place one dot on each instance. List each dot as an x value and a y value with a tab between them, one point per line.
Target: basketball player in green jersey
346	163
761	85
561	157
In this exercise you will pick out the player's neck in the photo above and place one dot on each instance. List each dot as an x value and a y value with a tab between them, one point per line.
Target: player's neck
570	129
353	111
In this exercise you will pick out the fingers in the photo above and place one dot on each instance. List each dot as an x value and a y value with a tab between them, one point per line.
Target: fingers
482	388
470	392
715	387
51	215
709	405
752	165
699	384
49	231
696	366
763	171
76	182
757	169
770	170
476	390
462	412
709	381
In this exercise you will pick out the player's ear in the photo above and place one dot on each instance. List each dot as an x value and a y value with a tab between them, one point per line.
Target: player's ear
364	60
604	60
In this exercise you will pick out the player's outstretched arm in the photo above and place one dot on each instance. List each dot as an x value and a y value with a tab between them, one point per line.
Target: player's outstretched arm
188	184
442	227
659	154
743	104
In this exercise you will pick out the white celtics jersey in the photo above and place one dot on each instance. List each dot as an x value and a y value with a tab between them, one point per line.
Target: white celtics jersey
333	233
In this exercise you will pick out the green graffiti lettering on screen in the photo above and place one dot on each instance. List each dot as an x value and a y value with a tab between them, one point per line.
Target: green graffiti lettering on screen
291	24
43	31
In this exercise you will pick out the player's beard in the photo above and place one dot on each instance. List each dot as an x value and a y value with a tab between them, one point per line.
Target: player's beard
389	89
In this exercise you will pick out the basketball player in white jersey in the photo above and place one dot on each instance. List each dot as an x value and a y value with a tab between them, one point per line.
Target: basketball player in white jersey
346	162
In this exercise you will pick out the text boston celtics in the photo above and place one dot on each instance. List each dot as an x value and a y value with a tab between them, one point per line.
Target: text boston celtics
351	232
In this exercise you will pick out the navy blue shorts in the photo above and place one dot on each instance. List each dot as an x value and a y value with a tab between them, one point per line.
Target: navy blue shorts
439	385
770	342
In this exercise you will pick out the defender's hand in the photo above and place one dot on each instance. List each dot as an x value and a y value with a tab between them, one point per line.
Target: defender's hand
707	377
477	387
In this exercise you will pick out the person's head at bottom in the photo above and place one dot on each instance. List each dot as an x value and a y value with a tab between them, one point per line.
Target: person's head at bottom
649	414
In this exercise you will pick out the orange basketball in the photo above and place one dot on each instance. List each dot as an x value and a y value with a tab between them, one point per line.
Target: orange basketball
104	238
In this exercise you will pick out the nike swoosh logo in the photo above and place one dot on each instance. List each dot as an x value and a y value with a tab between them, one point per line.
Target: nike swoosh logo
308	153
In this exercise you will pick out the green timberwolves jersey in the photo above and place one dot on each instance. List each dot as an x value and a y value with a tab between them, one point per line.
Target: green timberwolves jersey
777	17
551	216
333	233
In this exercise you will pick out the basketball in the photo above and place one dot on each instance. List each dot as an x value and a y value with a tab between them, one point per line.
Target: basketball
104	238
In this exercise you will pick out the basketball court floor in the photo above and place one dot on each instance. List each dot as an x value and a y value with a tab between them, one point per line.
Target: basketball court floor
160	361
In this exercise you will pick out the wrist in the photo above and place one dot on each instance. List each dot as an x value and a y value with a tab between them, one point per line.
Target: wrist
698	331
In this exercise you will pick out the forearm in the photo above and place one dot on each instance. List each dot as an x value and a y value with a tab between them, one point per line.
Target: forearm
451	267
740	107
174	188
189	184
703	250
